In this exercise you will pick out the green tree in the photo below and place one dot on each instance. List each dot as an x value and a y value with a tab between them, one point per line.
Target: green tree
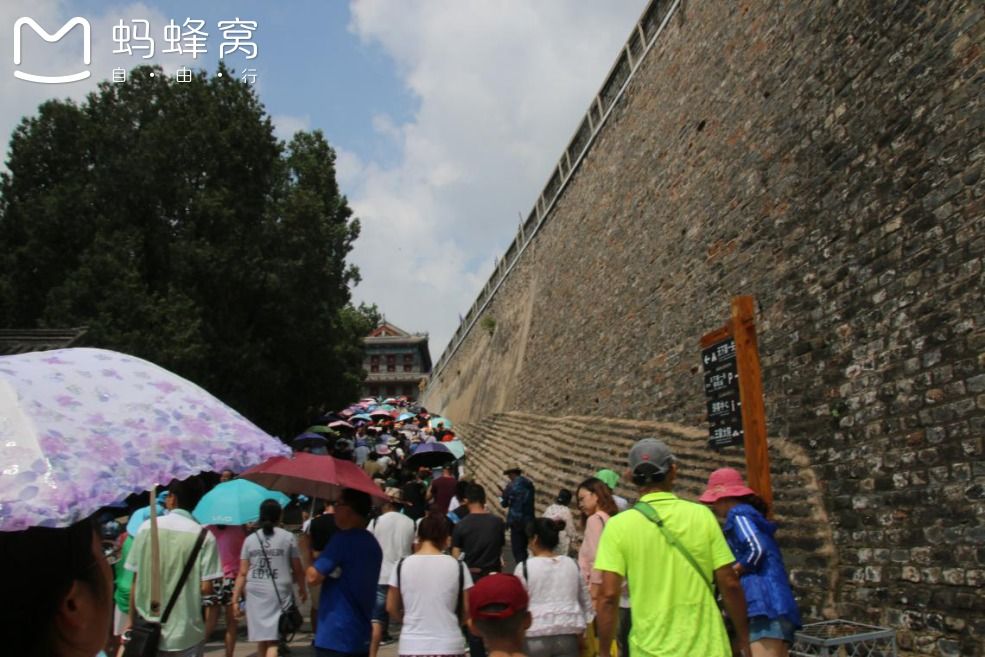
169	220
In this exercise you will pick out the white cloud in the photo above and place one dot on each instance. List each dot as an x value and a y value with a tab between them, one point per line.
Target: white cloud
285	125
501	86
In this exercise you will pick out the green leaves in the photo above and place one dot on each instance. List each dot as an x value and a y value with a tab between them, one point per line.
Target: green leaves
169	220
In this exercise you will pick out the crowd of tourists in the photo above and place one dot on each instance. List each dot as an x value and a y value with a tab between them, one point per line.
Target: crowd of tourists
593	574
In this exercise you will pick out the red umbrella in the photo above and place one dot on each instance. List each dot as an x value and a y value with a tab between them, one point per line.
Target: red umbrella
380	413
312	475
340	424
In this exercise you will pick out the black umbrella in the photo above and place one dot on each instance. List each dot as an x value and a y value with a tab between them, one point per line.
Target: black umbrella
430	455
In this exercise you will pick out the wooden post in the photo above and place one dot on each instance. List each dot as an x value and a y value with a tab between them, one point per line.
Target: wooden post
751	393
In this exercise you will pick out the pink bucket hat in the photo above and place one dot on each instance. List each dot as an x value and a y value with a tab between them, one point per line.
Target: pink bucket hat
725	482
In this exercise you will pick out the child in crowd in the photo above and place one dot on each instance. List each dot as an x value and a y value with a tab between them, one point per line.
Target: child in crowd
498	613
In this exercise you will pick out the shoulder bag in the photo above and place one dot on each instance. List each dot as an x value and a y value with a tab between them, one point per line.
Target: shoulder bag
145	635
290	620
654	517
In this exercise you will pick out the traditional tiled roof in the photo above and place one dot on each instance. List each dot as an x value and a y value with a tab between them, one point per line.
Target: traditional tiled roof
388	330
19	341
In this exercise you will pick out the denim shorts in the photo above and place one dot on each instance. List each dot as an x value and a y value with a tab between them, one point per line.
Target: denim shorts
379	609
762	627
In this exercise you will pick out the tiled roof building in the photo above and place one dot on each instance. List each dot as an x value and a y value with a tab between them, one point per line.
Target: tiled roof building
19	341
396	362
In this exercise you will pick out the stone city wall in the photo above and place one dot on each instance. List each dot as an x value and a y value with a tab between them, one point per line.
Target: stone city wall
826	158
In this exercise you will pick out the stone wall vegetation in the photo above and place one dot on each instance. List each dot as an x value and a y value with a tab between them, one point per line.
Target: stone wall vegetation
826	158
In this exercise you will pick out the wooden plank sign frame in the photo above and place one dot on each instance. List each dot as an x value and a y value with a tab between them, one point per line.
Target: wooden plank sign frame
741	329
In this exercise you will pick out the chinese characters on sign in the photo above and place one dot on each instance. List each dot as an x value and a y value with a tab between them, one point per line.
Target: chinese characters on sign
189	38
138	37
734	392
722	394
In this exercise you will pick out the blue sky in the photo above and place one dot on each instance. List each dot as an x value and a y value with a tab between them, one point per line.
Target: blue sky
447	115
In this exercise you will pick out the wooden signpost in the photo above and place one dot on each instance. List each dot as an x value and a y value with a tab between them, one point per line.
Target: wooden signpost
734	393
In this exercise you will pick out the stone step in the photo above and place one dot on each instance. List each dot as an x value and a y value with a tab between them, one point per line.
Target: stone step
687	484
582	460
611	451
586	458
546	436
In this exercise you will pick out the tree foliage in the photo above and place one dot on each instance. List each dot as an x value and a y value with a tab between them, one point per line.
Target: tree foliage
169	220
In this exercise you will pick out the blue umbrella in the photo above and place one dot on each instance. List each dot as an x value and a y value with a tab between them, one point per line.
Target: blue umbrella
362	416
235	502
403	417
138	517
456	447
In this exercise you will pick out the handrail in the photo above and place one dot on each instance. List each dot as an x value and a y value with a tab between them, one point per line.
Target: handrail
646	30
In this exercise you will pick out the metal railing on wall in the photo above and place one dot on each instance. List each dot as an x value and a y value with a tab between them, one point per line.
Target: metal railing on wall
644	35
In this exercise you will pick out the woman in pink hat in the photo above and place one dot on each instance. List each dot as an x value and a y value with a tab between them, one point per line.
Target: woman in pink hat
772	610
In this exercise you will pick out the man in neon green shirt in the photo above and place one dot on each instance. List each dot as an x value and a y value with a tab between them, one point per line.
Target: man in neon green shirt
674	610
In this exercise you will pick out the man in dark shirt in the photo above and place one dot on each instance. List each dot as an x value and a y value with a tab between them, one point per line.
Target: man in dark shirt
442	490
320	530
414	497
479	539
518	497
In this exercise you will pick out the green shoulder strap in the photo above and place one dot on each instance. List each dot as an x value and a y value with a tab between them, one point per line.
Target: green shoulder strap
652	515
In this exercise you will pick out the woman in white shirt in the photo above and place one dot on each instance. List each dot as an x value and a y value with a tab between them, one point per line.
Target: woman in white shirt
559	600
428	590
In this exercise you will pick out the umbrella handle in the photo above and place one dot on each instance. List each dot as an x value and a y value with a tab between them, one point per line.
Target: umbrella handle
155	556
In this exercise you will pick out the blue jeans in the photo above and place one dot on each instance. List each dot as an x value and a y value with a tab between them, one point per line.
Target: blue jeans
380	614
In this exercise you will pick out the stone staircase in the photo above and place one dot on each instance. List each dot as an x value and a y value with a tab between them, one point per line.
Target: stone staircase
561	452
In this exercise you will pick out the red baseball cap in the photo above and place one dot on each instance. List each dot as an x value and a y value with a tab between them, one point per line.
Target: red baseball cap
496	597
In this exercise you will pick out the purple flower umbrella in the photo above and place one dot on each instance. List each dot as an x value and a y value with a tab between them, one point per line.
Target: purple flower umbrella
84	428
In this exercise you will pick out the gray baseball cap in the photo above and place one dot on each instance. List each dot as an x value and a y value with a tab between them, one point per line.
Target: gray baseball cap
653	452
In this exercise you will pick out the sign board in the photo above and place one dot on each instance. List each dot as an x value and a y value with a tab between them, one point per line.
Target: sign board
734	393
722	396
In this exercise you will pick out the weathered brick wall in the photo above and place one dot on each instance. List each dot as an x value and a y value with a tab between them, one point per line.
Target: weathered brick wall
825	157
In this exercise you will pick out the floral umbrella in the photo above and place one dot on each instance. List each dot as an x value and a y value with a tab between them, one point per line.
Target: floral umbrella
84	428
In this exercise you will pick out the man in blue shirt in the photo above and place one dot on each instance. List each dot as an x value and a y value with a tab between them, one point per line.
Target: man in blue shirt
518	497
348	570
